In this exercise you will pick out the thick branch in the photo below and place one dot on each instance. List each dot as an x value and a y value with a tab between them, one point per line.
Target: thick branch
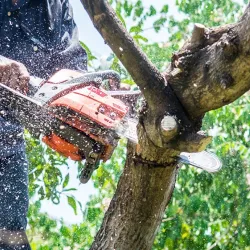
144	73
215	72
160	98
169	127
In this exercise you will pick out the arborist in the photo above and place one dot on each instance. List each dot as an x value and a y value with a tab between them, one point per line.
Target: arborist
37	37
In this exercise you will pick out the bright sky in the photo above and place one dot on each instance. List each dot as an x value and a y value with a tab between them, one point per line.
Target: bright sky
92	38
94	41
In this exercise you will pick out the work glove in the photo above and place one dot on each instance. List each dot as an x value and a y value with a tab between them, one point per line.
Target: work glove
14	74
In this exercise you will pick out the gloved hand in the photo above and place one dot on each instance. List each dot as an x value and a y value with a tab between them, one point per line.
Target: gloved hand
14	74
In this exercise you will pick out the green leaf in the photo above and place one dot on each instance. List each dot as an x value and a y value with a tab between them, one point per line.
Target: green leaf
80	205
88	51
138	8
128	8
152	11
139	37
164	9
121	18
69	189
66	181
92	213
41	193
135	29
128	81
72	203
159	23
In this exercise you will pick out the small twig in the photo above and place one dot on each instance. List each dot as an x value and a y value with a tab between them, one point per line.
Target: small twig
168	219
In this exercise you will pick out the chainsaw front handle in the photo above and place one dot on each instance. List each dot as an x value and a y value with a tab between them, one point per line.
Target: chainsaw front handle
48	91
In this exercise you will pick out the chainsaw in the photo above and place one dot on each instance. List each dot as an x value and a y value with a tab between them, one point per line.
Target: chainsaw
78	118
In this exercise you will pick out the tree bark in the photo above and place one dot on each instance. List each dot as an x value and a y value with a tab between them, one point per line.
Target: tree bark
144	73
136	211
211	70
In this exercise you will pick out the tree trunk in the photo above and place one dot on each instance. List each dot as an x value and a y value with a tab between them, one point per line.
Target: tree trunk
136	211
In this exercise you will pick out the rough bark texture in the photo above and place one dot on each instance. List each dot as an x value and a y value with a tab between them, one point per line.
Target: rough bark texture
211	70
214	71
141	69
160	98
136	210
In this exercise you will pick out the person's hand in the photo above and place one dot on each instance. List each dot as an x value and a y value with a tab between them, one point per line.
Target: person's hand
14	74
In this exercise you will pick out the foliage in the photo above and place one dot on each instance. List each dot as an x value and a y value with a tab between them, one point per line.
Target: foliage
46	233
207	211
212	211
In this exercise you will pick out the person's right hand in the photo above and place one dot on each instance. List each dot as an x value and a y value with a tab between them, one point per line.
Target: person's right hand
14	74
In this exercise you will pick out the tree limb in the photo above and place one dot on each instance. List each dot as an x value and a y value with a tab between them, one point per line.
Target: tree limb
160	98
215	72
143	72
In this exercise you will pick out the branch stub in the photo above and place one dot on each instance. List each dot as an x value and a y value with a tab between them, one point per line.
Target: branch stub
169	127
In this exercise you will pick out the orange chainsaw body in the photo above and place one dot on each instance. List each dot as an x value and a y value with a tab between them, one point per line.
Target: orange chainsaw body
89	109
63	147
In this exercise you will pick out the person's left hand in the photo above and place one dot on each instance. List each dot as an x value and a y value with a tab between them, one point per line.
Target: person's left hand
14	75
